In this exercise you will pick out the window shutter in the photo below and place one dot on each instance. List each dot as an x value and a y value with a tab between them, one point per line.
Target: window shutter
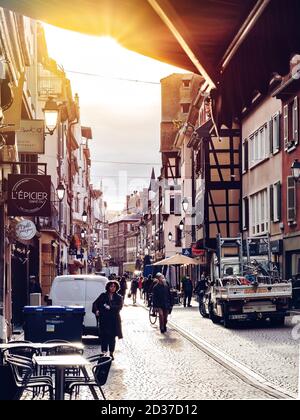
291	216
286	126
279	203
272	148
295	121
246	213
279	123
246	156
177	206
272	203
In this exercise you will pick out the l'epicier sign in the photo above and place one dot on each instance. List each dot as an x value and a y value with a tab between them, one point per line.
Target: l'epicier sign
29	195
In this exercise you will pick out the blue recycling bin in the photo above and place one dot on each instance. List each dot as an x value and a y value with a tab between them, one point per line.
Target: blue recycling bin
43	323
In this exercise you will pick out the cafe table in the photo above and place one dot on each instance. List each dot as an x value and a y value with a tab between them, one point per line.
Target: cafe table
38	346
60	363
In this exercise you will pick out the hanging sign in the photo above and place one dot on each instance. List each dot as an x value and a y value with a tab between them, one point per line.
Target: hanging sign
31	137
29	195
25	230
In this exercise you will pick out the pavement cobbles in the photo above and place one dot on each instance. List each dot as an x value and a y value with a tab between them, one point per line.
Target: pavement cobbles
149	365
152	366
271	352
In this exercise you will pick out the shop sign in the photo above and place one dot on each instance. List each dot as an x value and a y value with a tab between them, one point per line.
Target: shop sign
187	252
30	137
25	230
29	195
277	247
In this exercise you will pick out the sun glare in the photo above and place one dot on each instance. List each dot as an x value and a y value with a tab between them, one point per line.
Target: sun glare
114	100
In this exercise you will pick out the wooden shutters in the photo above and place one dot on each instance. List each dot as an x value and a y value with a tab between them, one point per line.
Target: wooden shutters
291	198
295	122
286	126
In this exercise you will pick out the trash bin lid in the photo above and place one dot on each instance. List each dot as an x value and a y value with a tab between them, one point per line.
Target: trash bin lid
45	309
75	309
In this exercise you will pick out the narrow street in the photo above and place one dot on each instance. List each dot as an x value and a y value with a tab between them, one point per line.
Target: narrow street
152	366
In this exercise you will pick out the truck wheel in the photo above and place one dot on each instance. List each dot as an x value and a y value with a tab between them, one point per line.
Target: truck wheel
214	318
202	310
227	323
278	322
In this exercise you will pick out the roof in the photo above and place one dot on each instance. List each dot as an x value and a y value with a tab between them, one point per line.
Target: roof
126	218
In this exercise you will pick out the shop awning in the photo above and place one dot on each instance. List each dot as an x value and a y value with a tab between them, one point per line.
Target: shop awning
235	44
150	27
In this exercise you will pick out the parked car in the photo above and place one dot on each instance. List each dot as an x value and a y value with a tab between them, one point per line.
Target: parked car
79	290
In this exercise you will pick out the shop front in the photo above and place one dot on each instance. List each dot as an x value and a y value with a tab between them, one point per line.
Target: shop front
292	256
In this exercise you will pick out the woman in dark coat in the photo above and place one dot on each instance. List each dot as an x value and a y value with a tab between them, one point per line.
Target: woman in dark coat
107	307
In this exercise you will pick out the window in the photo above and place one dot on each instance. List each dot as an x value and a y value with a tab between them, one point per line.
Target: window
186	83
260	213
275	202
245	156
178	241
291	124
185	108
259	146
292	201
29	169
246	213
274	133
172	204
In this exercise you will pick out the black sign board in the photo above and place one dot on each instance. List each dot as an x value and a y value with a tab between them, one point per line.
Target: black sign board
29	195
277	247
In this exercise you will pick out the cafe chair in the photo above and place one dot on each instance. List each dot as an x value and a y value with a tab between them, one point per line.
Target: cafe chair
23	373
100	375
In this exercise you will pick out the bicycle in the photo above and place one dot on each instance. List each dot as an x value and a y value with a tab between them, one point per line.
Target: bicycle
153	313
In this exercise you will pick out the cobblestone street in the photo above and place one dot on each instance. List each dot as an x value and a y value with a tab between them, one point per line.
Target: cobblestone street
152	366
271	352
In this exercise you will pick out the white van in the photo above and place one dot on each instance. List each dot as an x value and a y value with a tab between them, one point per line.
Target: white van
79	290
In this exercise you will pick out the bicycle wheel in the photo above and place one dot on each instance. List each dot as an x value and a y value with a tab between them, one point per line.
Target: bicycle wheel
152	315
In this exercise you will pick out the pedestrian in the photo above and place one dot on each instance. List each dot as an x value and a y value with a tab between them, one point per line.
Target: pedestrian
34	285
133	289
140	286
187	289
162	301
107	309
123	287
201	286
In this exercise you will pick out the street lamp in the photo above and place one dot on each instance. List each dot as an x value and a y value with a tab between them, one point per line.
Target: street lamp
82	233
181	225
60	191
157	237
185	204
170	236
84	216
51	111
296	170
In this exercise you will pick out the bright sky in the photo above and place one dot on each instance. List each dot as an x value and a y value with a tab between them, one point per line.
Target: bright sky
124	115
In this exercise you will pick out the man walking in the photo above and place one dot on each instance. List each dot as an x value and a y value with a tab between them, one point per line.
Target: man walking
187	289
162	301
